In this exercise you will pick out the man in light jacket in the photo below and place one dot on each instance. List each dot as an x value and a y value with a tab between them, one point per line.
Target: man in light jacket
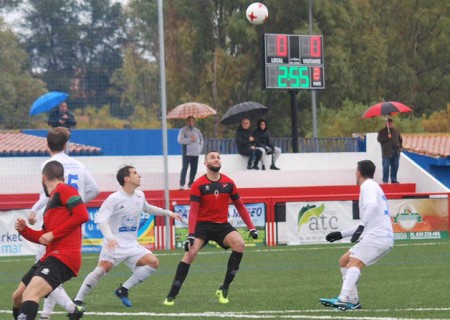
191	140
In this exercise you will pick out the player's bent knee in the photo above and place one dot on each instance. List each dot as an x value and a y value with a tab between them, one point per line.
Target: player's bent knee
16	299
238	246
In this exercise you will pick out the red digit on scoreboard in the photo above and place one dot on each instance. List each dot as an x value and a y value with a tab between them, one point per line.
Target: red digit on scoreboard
315	47
317	74
282	45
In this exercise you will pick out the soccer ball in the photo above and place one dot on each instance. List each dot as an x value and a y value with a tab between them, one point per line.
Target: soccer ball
257	13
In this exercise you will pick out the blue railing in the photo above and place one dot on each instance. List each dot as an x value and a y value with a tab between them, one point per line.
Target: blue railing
305	145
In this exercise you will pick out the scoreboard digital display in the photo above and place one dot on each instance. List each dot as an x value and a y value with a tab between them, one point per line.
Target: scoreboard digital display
293	62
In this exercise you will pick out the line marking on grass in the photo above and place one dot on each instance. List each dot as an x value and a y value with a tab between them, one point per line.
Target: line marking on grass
270	314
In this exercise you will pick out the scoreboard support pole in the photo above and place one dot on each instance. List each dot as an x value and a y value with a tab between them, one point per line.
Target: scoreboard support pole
294	122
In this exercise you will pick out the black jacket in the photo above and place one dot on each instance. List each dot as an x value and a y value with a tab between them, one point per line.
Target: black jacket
262	137
56	115
242	141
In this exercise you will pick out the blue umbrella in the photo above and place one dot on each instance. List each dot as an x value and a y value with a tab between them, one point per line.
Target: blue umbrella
47	102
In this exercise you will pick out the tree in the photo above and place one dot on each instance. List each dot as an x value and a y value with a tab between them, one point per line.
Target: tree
17	87
75	46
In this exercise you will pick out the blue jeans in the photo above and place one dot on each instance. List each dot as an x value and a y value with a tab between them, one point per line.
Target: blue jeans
391	163
189	161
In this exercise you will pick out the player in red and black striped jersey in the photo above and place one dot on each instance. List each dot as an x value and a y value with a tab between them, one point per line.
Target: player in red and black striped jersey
208	220
61	234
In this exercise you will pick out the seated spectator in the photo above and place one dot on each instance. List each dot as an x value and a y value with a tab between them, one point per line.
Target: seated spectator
246	145
262	139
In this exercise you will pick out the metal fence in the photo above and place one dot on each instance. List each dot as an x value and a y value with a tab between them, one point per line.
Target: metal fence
305	145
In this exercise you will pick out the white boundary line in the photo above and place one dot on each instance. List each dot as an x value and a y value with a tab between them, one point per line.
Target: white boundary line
271	314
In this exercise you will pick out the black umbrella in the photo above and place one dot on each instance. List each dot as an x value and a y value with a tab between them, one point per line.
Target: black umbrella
243	110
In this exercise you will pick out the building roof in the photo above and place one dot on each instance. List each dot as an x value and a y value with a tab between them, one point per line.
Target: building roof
18	144
430	144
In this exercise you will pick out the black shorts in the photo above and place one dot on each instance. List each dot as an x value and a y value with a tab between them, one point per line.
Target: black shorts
213	231
52	270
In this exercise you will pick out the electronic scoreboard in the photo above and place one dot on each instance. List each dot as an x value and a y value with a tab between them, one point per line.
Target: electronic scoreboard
293	62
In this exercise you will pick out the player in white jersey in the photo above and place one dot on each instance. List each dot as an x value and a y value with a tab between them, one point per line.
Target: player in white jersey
118	219
375	235
76	175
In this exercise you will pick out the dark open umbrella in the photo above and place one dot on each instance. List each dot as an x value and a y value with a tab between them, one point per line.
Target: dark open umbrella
47	102
243	110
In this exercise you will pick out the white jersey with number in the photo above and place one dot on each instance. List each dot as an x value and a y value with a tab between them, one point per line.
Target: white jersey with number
76	175
379	223
123	211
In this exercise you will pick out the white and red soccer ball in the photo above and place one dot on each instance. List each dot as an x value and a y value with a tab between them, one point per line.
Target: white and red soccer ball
257	13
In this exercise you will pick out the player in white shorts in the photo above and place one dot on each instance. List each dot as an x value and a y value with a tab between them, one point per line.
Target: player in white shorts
118	219
375	234
76	175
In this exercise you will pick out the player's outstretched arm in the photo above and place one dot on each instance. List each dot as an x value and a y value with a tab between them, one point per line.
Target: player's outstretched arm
240	207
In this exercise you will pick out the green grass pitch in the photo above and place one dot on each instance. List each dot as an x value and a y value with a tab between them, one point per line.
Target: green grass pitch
285	282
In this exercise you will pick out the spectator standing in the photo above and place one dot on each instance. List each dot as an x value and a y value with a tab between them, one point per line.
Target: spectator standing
246	145
263	143
62	117
391	141
192	142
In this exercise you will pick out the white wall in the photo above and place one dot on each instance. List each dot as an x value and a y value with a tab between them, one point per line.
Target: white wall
21	174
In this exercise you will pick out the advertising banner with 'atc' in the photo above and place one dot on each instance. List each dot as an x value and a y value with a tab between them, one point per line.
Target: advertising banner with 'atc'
310	222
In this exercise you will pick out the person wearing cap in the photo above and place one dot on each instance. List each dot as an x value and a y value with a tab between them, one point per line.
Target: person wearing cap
191	140
391	141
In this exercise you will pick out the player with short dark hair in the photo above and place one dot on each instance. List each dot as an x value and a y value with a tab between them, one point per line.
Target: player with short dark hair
76	175
118	219
374	234
61	234
208	220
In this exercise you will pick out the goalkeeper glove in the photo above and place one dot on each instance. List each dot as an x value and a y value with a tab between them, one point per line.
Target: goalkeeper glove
334	236
254	233
189	241
357	234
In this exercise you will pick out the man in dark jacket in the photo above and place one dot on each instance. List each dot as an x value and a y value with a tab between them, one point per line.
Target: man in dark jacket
391	146
263	143
62	117
246	145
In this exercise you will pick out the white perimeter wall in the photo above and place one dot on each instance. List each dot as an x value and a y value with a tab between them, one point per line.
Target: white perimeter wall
21	174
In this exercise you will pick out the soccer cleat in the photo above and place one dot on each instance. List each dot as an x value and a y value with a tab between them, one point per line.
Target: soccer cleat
122	294
78	313
328	302
344	306
222	294
169	301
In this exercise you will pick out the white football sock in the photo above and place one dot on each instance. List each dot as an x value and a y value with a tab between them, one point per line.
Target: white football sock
49	305
343	272
139	275
90	282
349	291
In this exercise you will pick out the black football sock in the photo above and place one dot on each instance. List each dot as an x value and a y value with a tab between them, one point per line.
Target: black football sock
180	276
29	310
232	269
15	312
